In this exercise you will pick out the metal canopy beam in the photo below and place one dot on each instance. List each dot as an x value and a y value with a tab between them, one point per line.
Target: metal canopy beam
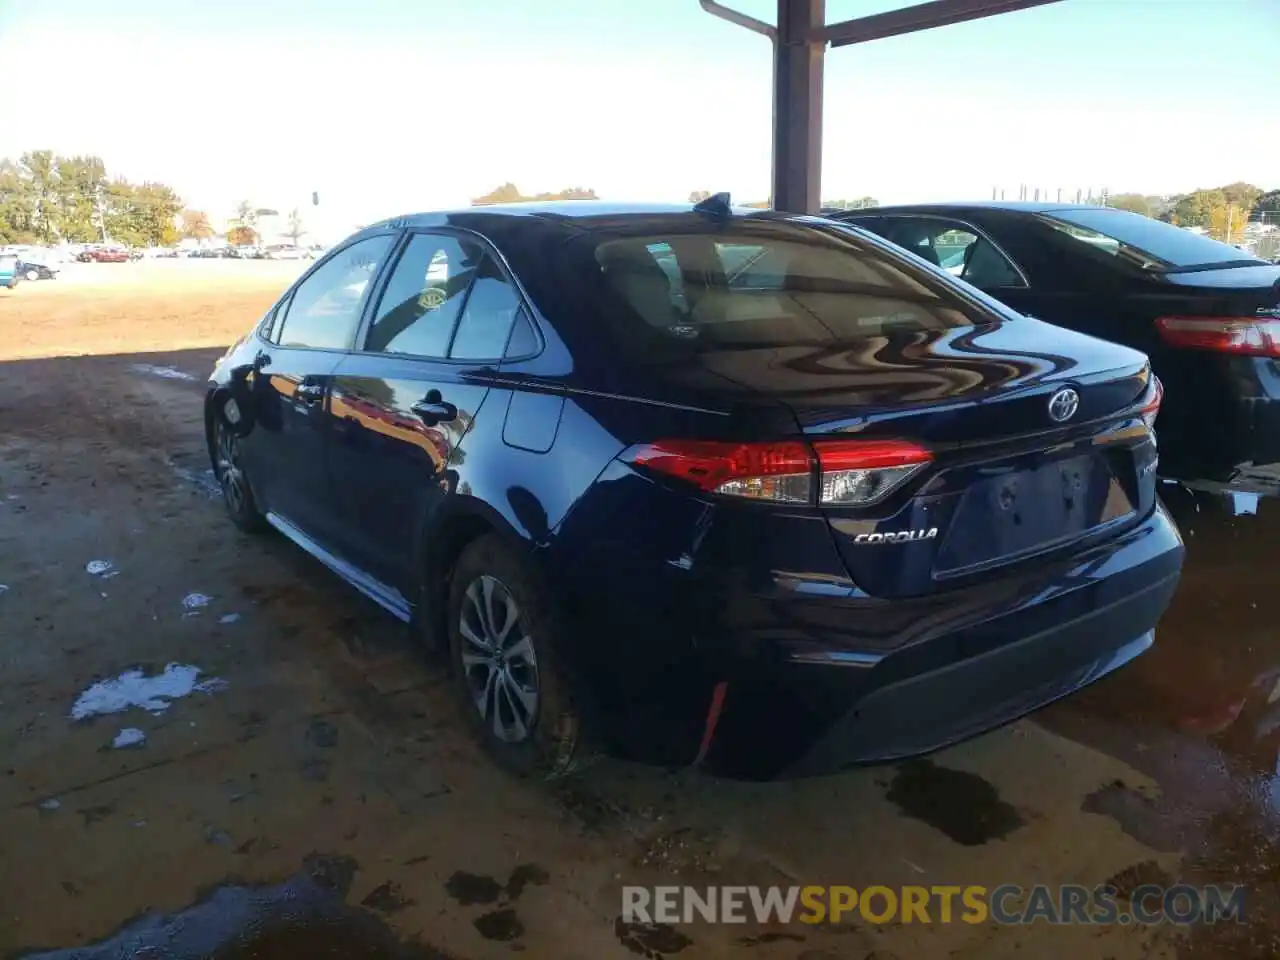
797	106
799	44
923	16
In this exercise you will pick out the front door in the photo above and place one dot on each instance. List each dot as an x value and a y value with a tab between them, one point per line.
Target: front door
311	331
404	402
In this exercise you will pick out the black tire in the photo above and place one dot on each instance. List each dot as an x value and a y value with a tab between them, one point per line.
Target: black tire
551	744
237	493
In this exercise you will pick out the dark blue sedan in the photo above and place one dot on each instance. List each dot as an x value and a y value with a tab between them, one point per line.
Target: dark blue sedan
700	485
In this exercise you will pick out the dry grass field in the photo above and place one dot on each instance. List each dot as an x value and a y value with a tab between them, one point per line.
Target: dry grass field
105	308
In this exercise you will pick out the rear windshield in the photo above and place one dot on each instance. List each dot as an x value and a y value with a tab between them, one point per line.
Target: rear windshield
770	283
1149	244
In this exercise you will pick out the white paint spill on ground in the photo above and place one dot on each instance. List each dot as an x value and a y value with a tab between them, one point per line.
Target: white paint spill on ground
193	603
229	618
205	480
99	568
1243	504
134	689
129	737
168	373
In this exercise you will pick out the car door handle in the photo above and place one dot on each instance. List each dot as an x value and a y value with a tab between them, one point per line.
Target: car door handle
309	393
433	410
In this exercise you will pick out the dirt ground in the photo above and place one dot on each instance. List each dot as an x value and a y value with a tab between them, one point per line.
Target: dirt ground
310	792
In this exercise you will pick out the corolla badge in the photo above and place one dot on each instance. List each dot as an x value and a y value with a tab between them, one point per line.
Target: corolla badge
901	536
1063	405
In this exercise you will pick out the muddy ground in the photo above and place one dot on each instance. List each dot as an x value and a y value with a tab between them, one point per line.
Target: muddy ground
310	792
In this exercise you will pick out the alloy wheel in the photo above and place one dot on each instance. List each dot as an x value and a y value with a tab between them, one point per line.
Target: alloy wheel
230	474
498	660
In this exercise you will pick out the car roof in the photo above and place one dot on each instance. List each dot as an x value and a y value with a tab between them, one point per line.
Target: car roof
574	215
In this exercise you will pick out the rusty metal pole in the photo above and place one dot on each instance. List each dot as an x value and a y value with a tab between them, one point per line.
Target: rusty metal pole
798	51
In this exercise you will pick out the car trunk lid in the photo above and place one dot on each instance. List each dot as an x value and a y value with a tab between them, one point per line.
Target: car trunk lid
1005	480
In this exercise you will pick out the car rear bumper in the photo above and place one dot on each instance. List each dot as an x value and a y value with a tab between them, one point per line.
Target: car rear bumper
1227	435
799	714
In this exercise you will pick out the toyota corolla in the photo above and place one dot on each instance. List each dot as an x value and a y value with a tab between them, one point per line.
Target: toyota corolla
703	485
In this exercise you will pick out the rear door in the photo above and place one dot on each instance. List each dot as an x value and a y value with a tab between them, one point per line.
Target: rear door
311	331
403	403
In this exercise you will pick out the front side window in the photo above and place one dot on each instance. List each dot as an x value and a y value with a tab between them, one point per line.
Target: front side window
324	310
954	247
424	296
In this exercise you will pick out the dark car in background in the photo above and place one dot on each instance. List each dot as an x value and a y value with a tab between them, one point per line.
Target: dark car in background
703	485
1207	313
33	270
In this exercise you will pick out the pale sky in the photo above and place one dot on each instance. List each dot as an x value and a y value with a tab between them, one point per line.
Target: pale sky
388	106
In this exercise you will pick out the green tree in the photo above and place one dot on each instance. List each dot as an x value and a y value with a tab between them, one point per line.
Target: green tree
156	209
17	206
242	236
1196	209
78	185
45	198
1243	195
1134	203
40	172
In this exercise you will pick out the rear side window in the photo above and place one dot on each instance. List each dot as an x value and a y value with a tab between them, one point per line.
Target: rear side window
324	310
771	283
1146	243
487	318
424	296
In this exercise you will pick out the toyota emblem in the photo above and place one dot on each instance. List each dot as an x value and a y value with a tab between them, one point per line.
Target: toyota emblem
1063	405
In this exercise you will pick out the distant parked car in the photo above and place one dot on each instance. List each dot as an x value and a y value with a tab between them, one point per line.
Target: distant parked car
10	272
286	253
110	255
31	270
1206	313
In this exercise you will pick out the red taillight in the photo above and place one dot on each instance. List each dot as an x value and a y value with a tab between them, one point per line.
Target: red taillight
858	472
847	471
869	454
1257	336
1151	409
763	471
